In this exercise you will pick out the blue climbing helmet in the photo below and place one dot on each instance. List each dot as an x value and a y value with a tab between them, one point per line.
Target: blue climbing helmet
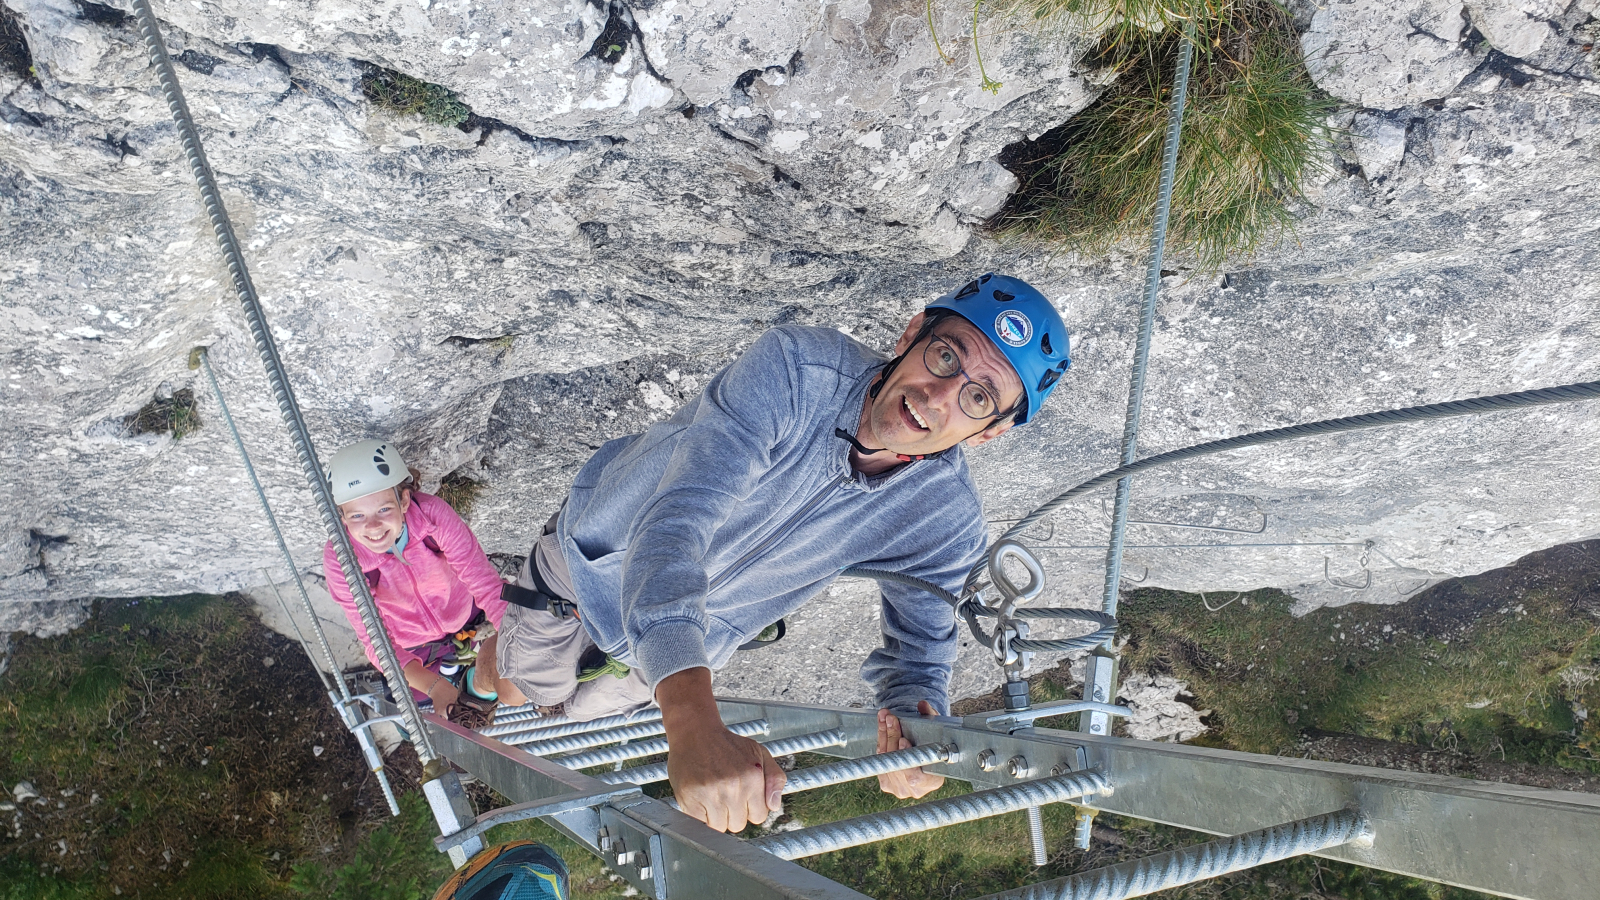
1023	325
519	870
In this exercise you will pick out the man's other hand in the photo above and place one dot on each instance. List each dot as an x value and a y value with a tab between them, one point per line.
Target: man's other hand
907	783
719	778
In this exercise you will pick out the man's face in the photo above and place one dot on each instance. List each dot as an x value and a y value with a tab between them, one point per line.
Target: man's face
917	413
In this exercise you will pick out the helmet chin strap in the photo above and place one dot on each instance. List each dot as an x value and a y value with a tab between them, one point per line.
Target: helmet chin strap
872	393
868	451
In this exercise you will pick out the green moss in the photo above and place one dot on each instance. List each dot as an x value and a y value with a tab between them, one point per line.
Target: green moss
1252	128
1481	680
404	95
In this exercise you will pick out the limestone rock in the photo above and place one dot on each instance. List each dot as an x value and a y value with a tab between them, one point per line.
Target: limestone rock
1158	714
1556	36
1379	142
1387	55
504	299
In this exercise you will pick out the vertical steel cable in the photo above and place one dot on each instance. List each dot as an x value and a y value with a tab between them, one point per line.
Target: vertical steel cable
277	376
346	710
272	522
1147	317
1188	865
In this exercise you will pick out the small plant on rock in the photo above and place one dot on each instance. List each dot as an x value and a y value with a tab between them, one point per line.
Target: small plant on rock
404	95
177	415
461	492
1253	123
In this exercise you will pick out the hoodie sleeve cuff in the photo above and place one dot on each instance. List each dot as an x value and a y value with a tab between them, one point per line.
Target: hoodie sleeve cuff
669	647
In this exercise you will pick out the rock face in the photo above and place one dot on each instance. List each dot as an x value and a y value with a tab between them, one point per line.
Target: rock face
647	186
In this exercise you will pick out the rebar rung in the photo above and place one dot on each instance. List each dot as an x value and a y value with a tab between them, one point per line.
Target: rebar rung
866	767
540	728
647	748
1188	865
936	814
802	743
585	739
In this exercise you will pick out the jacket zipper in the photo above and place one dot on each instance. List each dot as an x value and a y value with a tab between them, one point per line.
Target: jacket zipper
417	592
781	532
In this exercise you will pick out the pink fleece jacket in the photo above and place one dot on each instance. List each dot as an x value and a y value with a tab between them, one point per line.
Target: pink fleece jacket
432	593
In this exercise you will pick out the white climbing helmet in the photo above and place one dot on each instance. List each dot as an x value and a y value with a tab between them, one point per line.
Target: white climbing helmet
363	468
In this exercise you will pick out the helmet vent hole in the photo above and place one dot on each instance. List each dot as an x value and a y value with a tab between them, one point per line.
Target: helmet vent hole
1044	344
968	291
1004	297
383	468
1050	377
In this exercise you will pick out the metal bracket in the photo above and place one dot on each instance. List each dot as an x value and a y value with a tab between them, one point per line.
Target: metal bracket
537	809
1365	550
633	851
1099	685
1007	722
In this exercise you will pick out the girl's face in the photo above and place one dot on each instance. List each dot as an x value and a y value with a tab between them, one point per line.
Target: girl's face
376	519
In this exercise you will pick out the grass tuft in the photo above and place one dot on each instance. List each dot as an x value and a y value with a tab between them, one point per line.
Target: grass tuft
460	492
1252	127
177	415
404	95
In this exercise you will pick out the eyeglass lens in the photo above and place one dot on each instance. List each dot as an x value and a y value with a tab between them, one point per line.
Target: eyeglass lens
943	362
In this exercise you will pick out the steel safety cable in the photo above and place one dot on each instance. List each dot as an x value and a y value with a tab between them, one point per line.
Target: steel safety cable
272	523
277	375
1565	393
970	610
1147	318
347	712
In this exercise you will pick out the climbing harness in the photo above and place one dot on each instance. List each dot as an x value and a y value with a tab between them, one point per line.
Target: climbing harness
1266	808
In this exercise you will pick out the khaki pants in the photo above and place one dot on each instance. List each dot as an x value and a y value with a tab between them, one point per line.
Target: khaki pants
539	652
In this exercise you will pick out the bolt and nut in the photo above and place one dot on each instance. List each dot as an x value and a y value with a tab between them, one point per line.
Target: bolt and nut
987	760
1018	767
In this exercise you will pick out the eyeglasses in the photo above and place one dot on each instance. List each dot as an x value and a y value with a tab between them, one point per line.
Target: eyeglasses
944	362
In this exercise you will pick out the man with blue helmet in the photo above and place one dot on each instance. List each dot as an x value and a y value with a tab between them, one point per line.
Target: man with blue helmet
807	455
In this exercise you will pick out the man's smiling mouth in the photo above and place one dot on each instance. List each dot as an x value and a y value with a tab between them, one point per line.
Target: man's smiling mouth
914	413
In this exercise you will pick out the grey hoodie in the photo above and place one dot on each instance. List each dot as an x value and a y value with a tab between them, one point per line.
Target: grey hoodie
687	540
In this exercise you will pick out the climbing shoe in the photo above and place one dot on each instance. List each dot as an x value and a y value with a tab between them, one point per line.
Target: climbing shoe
595	663
467	697
485	696
468	716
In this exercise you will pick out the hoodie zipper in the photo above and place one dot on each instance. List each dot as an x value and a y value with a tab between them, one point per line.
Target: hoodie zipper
416	592
783	531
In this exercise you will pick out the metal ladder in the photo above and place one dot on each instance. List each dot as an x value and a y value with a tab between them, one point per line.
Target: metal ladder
1501	839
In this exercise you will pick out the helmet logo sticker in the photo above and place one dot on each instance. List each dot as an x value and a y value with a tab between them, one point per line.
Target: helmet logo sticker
1013	327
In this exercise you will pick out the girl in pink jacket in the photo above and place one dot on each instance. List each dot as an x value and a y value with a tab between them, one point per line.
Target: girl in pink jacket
436	591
